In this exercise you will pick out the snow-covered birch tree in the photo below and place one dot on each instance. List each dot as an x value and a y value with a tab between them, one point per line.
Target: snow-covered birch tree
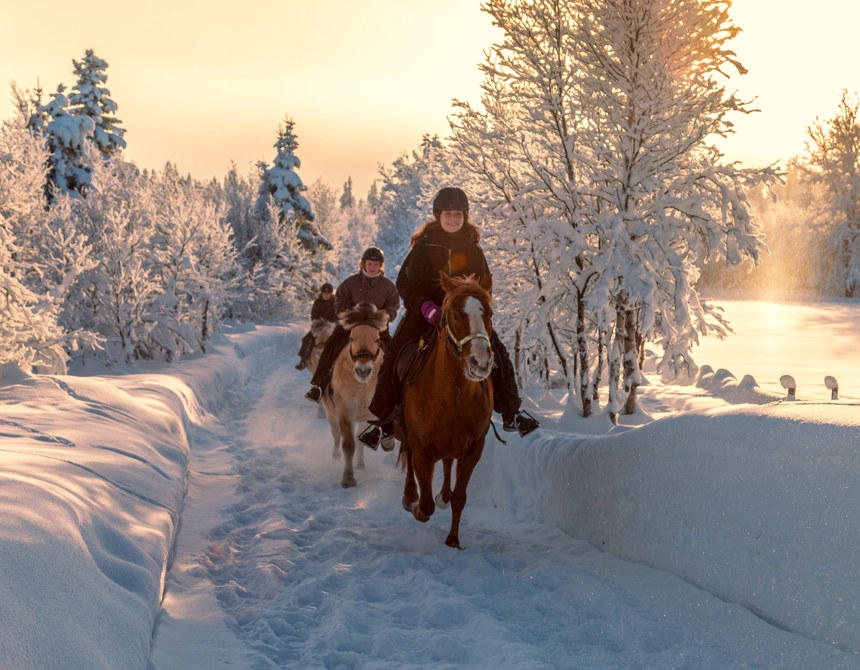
832	163
596	149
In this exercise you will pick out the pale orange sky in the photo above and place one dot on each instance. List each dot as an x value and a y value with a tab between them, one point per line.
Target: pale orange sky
202	84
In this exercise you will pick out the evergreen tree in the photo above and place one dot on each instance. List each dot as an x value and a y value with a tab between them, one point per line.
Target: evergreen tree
285	187
347	199
90	98
68	141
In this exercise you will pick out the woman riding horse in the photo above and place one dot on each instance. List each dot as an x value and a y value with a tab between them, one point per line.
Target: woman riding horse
322	309
368	284
448	242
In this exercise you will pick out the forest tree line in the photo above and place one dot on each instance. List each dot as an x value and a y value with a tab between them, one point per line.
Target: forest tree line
592	170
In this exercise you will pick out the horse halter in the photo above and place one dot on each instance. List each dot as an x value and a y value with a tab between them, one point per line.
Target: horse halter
364	353
464	340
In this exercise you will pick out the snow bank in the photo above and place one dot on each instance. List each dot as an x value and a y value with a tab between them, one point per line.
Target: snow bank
91	489
757	504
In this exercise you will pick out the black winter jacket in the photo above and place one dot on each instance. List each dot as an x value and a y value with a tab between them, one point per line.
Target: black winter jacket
456	254
323	309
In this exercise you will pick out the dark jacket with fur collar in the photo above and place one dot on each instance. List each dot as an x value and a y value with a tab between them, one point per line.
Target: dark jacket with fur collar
456	254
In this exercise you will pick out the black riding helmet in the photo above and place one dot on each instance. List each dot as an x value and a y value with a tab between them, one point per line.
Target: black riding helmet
451	199
373	254
326	288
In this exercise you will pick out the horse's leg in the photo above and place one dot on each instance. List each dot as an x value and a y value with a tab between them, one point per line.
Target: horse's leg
458	497
348	446
410	490
443	498
334	425
424	474
359	448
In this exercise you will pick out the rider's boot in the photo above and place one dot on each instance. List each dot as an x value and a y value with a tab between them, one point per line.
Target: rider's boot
374	436
522	423
314	394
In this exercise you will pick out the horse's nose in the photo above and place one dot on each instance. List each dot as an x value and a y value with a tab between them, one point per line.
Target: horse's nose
481	365
362	372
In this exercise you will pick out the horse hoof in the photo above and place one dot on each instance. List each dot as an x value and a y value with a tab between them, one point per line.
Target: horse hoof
453	542
407	506
440	503
348	482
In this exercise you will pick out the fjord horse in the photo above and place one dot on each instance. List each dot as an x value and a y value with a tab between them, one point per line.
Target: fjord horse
353	382
321	329
447	410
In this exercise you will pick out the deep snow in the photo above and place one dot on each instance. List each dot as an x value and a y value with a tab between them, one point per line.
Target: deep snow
722	534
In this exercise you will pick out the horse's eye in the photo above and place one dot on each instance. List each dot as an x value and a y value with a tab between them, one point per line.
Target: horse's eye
456	317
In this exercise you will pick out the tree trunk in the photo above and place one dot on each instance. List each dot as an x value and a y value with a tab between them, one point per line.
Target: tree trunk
631	361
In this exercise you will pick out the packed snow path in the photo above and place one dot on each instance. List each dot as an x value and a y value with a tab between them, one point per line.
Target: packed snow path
277	566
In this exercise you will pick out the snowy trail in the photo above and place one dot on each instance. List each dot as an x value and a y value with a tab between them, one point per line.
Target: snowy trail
278	567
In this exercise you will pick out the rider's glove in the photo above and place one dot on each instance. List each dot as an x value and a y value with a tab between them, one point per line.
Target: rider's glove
430	310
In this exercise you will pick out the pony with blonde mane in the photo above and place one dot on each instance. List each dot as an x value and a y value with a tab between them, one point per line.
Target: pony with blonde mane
353	382
321	329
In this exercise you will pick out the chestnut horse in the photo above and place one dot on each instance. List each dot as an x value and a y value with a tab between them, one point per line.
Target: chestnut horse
447	410
353	382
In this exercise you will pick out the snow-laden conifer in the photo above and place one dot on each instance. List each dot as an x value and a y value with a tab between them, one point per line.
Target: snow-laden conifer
90	98
68	141
282	183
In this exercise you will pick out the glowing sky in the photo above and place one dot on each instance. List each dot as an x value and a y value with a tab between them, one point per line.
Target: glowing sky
202	84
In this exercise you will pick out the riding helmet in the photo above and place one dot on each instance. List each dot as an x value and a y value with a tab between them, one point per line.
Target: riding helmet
451	199
373	254
326	288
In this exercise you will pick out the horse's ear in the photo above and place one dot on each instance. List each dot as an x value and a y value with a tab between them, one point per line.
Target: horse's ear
487	283
447	284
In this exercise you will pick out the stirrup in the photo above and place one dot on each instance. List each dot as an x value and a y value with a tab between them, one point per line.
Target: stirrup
369	437
525	423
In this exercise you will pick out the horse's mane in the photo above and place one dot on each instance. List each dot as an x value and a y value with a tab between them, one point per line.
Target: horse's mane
363	314
466	285
320	325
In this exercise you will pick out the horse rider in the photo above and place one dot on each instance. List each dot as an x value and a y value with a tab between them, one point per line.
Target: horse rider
369	283
323	308
448	241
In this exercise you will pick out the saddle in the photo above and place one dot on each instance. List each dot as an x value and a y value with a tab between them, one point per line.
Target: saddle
413	356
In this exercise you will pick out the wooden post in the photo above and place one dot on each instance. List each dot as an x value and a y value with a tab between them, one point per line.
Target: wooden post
833	385
790	385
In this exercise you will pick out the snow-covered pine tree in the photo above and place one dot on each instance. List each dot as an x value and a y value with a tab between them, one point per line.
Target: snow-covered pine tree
90	98
832	163
347	199
283	184
67	137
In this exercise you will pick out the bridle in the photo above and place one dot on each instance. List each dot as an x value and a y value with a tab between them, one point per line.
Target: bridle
364	353
459	344
463	341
